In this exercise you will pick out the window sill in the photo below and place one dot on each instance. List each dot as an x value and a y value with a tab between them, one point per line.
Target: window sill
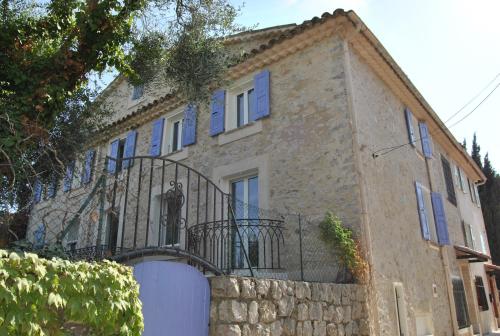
134	103
177	155
240	132
433	245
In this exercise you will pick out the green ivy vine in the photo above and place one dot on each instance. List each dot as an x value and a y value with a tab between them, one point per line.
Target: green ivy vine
44	297
340	238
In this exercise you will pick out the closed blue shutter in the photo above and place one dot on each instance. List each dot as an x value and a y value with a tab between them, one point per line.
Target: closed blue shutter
37	191
440	219
189	126
261	96
39	235
113	156
51	189
422	213
87	169
156	137
68	177
129	148
217	112
426	140
409	126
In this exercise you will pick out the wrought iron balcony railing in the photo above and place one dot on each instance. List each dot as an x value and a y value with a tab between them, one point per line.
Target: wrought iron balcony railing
145	205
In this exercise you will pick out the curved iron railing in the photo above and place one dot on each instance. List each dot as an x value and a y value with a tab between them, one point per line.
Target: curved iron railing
148	203
225	242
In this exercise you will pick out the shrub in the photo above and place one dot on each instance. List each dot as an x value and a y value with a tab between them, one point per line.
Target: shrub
43	297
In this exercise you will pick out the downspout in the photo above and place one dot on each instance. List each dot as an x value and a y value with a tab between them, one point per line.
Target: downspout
365	227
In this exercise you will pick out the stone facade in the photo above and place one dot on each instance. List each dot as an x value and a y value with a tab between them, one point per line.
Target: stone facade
337	97
247	306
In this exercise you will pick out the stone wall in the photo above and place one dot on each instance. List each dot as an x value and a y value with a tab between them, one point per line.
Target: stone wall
248	306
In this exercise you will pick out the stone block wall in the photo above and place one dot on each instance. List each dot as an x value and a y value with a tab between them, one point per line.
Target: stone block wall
247	306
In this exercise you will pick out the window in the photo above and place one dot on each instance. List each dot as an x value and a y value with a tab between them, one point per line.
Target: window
471	192
468	235
119	155
460	303
245	203
244	104
240	106
137	91
174	133
448	178
170	216
72	236
482	301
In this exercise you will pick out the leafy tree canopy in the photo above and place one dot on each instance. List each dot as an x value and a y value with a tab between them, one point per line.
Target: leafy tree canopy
50	49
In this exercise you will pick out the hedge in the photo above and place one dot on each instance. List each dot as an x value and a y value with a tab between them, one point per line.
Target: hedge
45	297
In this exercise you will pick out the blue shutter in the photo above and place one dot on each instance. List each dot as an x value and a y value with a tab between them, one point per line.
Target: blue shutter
217	112
129	148
426	140
156	137
440	219
189	126
409	126
39	235
37	191
261	96
113	155
422	213
68	177
87	169
51	189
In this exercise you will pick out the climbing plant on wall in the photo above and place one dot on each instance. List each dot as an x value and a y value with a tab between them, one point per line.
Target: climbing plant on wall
341	239
48	297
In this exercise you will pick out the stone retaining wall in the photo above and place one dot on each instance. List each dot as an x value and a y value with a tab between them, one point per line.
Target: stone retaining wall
247	306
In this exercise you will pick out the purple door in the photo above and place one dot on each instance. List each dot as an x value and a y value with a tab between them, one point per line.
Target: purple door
175	299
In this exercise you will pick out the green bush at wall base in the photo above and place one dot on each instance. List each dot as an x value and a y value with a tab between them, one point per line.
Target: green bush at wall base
41	297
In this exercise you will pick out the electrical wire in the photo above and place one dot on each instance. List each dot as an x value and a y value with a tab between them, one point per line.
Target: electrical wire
387	150
473	98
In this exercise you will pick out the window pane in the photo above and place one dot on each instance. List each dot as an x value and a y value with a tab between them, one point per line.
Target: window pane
175	136
138	91
240	110
253	197
448	180
251	102
237	190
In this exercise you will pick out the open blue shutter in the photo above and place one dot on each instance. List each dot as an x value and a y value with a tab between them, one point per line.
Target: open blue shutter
51	188
87	169
217	112
261	96
113	155
37	191
129	148
189	126
409	126
440	219
422	214
426	140
157	137
68	177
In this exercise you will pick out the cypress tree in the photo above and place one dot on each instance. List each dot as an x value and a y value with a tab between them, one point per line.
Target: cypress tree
476	152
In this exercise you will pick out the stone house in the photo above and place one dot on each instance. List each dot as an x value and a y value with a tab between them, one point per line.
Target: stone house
318	117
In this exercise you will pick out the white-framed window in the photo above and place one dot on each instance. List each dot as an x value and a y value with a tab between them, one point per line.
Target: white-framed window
245	203
240	101
173	133
119	155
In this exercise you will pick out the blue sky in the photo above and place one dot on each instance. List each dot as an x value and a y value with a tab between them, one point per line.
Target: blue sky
450	49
